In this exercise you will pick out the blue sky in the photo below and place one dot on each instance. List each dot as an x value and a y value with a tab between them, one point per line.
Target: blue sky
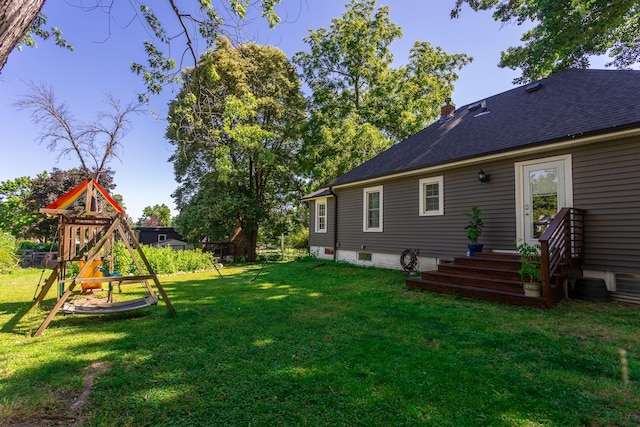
104	50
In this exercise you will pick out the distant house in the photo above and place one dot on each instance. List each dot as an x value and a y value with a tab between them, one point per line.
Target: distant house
563	152
161	236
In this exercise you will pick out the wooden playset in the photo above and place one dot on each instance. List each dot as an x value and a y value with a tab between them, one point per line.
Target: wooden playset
89	223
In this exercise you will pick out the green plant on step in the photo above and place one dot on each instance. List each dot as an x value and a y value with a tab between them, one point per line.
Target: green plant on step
530	268
475	226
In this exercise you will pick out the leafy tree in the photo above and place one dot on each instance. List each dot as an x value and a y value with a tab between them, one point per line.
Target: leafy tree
119	199
191	24
235	125
15	217
157	215
8	255
206	22
360	105
22	198
48	187
292	225
566	33
94	143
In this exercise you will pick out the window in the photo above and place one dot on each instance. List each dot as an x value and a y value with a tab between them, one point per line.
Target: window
431	196
364	256
321	216
372	213
162	237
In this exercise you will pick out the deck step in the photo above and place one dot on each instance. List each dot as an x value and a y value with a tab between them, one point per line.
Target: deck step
480	271
476	292
506	263
486	276
474	280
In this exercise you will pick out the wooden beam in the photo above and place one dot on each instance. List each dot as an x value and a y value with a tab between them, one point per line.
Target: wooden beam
50	281
54	311
75	214
108	279
89	197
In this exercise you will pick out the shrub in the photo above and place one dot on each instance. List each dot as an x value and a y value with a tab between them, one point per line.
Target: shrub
30	245
73	268
300	240
162	260
122	261
194	260
8	255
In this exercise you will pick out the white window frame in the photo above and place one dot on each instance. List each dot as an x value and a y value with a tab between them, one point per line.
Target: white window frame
321	202
365	209
423	205
162	237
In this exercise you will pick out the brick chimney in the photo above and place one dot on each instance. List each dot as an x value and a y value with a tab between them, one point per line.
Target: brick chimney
447	110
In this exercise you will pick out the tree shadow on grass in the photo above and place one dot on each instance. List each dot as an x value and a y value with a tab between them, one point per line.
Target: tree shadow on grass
57	382
20	309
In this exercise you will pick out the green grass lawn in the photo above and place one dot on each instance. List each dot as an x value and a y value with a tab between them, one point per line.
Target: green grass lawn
316	344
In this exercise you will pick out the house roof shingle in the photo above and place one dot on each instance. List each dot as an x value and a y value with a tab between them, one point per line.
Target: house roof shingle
323	192
570	104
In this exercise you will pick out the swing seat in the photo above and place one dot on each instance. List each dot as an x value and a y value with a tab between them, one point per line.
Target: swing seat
107	273
107	308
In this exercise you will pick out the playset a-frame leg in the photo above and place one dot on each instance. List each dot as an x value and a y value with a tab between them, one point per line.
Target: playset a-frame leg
56	308
53	278
124	230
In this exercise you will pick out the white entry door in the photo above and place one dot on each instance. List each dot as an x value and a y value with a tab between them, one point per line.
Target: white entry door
544	187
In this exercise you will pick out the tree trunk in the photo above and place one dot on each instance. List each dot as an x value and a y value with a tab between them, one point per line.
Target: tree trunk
246	243
16	17
252	245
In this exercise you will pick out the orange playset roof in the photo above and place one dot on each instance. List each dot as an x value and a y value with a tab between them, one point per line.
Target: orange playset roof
75	193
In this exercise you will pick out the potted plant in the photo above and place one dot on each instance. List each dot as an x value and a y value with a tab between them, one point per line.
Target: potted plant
474	229
530	270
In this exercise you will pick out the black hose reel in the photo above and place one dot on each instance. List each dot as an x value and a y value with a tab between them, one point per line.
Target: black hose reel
409	260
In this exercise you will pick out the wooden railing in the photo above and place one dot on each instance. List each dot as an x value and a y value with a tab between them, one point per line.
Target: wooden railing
561	245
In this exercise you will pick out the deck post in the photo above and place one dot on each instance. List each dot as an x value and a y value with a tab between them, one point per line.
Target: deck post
544	265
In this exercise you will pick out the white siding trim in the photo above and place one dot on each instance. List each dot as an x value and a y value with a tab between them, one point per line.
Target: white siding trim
568	183
365	209
423	208
383	260
318	202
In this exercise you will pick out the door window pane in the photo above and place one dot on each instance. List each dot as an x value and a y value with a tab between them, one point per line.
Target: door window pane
543	186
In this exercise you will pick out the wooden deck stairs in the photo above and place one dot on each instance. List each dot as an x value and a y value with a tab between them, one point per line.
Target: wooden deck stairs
486	276
495	277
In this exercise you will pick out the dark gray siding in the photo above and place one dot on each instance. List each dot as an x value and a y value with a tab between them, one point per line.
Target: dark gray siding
149	235
606	183
321	239
433	236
